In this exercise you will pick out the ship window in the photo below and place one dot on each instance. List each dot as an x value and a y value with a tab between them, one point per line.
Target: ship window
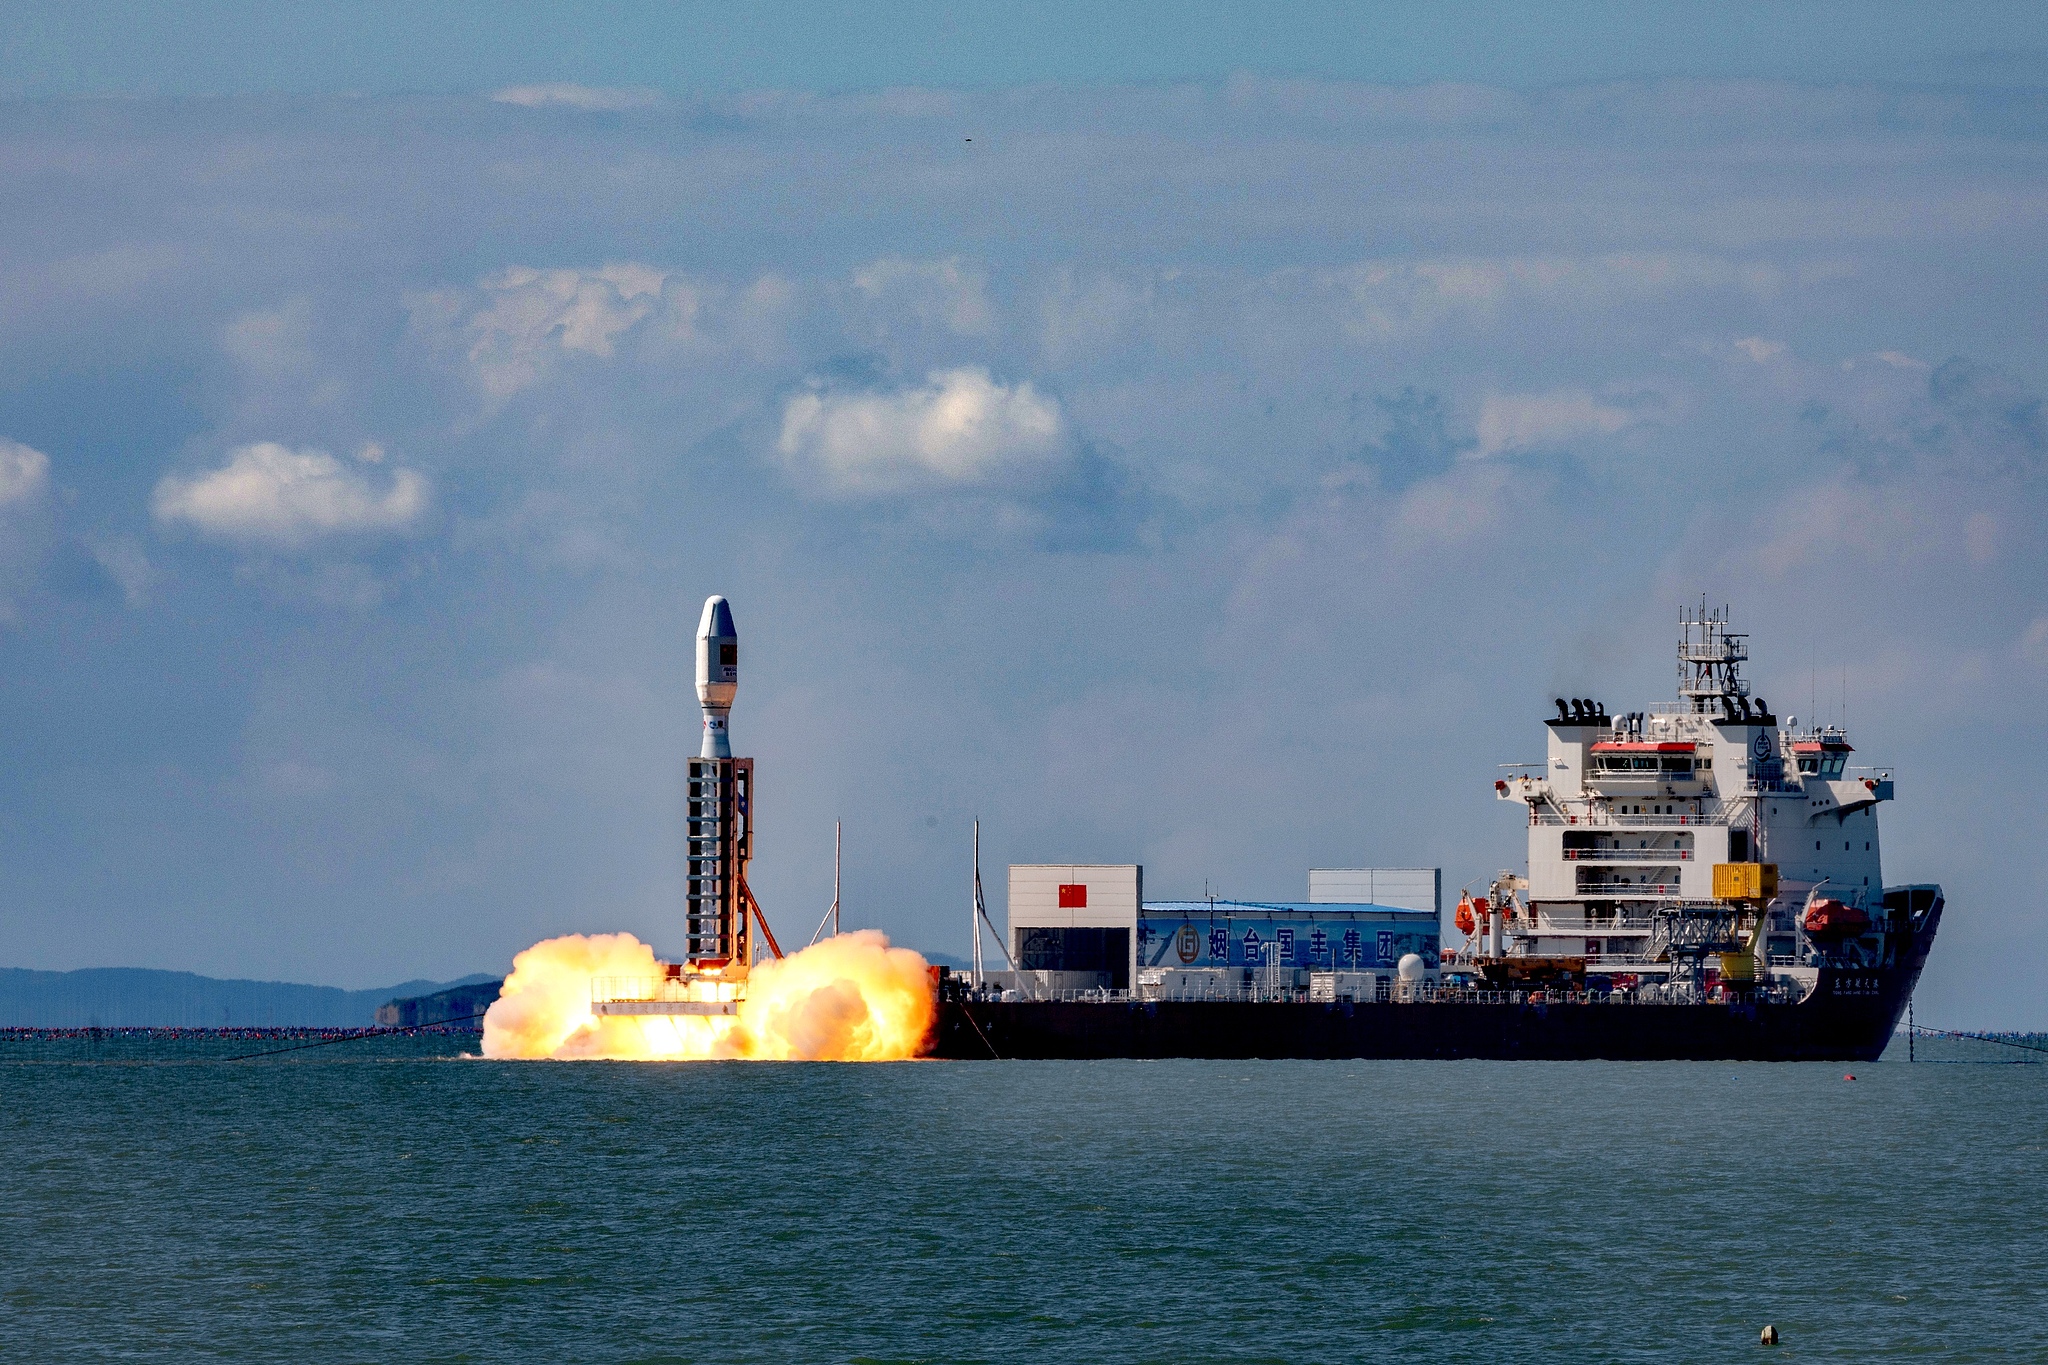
1816	845
1809	766
1866	846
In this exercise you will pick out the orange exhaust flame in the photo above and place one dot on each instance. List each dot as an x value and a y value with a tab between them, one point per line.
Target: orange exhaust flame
847	999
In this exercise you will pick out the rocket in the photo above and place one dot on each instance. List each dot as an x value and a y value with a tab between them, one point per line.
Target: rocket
718	675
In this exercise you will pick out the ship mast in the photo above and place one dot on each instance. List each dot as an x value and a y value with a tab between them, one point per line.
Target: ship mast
1710	659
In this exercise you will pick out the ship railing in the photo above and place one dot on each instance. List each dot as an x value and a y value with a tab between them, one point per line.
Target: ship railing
1772	993
1639	890
1404	994
1628	855
1616	924
1599	820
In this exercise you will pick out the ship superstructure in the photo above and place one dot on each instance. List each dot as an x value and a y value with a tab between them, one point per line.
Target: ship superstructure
1700	844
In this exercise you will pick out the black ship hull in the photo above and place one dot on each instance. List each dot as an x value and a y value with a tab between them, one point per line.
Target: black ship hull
1850	1016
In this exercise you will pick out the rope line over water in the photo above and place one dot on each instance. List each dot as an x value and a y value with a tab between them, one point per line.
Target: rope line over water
358	1037
1927	1032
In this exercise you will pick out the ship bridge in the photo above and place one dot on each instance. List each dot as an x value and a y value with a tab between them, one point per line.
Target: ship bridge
1631	813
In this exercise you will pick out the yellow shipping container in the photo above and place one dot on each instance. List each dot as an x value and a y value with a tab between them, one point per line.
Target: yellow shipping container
1738	967
1745	881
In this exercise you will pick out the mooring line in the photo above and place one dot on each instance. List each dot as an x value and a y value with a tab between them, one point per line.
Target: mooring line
1978	1037
977	1028
356	1037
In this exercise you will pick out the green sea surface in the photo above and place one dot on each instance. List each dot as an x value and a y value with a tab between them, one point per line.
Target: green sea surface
391	1200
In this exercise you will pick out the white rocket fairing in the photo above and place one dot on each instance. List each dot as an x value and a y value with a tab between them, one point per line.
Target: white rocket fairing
718	675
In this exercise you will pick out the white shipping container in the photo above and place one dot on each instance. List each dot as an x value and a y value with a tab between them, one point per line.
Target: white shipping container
1329	987
1191	983
1402	888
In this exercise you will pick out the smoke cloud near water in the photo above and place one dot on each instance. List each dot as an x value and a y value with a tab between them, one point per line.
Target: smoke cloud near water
847	999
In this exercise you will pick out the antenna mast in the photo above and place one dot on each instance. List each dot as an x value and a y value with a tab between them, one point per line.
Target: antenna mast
832	911
974	911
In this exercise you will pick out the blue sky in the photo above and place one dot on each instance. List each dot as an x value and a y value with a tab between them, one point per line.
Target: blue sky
1217	462
205	47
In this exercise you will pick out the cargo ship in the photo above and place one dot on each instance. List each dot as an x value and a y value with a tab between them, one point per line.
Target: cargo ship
1703	882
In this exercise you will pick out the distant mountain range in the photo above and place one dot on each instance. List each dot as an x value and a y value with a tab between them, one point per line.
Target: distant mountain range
137	997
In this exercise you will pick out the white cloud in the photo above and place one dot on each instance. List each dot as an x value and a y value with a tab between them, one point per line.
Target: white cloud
1760	350
1529	420
526	317
24	472
271	494
959	426
590	98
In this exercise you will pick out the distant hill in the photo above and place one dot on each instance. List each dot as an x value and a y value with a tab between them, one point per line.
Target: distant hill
457	1005
137	997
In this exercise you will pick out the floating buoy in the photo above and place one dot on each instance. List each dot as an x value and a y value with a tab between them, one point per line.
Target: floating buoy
1848	1078
1767	1337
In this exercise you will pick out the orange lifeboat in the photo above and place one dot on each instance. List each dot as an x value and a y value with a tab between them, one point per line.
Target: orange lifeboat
1466	920
1832	919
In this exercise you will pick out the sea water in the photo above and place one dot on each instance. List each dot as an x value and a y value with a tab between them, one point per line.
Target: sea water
392	1200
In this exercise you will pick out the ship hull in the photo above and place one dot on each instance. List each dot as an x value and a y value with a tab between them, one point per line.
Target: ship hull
1851	1030
1850	1016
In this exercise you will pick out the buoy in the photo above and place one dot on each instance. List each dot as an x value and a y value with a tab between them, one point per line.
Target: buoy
1848	1078
1768	1337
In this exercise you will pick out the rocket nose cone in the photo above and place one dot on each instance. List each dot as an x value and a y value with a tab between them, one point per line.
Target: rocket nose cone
716	621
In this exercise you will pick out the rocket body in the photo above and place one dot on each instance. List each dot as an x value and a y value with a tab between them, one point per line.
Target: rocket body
718	675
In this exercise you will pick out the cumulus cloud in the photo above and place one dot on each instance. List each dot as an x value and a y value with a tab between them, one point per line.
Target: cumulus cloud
268	493
589	98
958	427
1531	420
522	319
24	472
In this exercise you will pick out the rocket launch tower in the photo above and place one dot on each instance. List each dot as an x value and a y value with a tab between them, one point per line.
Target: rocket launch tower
717	842
719	813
